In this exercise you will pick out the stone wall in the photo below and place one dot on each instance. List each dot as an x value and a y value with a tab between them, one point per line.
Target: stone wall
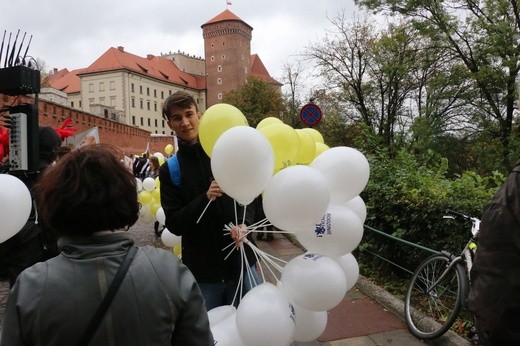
131	140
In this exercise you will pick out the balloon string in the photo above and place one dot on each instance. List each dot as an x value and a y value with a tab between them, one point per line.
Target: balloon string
207	205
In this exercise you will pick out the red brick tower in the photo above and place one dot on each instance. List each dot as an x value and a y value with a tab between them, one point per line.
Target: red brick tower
227	51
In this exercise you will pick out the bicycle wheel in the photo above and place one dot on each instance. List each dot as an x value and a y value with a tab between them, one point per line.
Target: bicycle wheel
431	311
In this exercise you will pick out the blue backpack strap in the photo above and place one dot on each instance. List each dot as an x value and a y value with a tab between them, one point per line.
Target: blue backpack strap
175	170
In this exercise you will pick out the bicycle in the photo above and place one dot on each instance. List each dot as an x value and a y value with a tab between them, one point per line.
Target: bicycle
439	287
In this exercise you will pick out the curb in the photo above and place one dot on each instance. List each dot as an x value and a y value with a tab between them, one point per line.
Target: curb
396	305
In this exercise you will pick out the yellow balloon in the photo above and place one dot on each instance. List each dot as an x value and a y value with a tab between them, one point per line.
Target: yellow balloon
285	143
168	149
161	160
154	206
267	121
144	197
157	183
156	195
307	148
315	134
320	147
177	249
215	121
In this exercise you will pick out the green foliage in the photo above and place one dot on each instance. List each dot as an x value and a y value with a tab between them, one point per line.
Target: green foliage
407	199
257	99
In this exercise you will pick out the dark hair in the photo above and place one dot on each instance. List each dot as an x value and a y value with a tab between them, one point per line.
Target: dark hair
178	99
88	190
155	160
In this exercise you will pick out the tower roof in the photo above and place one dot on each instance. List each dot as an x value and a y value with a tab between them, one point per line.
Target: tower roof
226	15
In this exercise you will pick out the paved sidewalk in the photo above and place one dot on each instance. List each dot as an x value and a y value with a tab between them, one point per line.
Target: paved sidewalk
367	316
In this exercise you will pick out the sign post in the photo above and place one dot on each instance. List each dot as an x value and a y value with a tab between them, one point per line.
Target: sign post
310	114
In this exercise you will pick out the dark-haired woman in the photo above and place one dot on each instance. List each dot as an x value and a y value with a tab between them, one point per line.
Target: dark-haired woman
89	200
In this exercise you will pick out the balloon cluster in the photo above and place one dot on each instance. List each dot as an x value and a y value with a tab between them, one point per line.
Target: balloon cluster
307	189
149	196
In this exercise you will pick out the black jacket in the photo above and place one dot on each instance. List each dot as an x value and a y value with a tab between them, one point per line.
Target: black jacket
202	242
495	276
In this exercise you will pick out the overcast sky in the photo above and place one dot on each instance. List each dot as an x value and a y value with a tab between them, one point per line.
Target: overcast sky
73	34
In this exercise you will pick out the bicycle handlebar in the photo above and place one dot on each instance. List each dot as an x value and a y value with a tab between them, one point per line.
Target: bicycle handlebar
456	213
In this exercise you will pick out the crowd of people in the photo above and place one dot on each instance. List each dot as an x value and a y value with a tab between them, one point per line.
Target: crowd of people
77	276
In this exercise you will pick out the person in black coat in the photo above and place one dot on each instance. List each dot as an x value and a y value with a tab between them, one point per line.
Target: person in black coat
31	244
203	240
495	276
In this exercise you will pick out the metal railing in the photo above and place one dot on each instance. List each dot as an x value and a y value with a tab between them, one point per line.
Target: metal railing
397	240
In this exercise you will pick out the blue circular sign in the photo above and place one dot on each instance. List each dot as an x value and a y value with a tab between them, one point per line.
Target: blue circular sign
310	114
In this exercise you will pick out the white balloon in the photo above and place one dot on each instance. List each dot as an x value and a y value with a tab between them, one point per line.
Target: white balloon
296	198
220	313
309	324
160	216
159	155
149	184
314	282
225	333
265	317
15	206
350	267
139	184
242	162
339	232
169	239
346	170
357	205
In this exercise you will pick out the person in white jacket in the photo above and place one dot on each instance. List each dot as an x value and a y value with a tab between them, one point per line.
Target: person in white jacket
89	200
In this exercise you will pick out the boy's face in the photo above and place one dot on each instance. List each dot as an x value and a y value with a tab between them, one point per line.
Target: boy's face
185	123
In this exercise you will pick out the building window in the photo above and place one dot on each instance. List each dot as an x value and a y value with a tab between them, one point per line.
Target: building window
101	86
219	80
155	106
147	91
133	119
162	95
142	121
212	58
132	102
219	68
91	101
141	103
223	56
80	103
72	104
163	124
91	88
112	85
149	122
219	96
154	92
148	104
112	101
140	89
155	122
102	100
132	88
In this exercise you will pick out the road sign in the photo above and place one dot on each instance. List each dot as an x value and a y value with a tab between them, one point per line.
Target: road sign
310	114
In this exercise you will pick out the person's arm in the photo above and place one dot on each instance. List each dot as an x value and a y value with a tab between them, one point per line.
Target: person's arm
181	214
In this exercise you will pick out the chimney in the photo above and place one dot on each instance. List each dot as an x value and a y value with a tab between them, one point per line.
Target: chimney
121	48
55	70
149	56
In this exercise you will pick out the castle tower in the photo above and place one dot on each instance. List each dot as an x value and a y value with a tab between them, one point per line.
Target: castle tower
227	51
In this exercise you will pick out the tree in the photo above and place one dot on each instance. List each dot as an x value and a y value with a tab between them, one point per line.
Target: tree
257	99
485	37
370	72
